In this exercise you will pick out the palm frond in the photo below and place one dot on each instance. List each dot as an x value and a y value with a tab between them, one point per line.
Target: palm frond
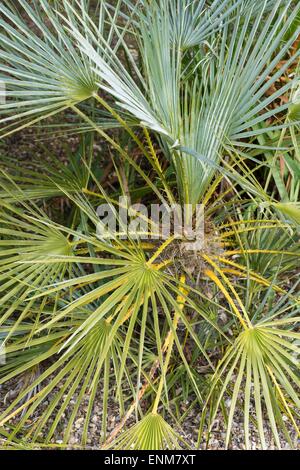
151	433
42	69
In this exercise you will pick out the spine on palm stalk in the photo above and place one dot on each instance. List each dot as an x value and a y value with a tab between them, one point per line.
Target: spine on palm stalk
190	103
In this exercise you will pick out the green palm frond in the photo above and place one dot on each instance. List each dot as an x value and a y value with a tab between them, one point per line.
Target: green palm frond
151	433
75	373
42	69
25	240
41	180
191	22
259	372
262	368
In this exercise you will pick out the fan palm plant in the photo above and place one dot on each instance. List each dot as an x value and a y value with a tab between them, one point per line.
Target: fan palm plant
185	96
